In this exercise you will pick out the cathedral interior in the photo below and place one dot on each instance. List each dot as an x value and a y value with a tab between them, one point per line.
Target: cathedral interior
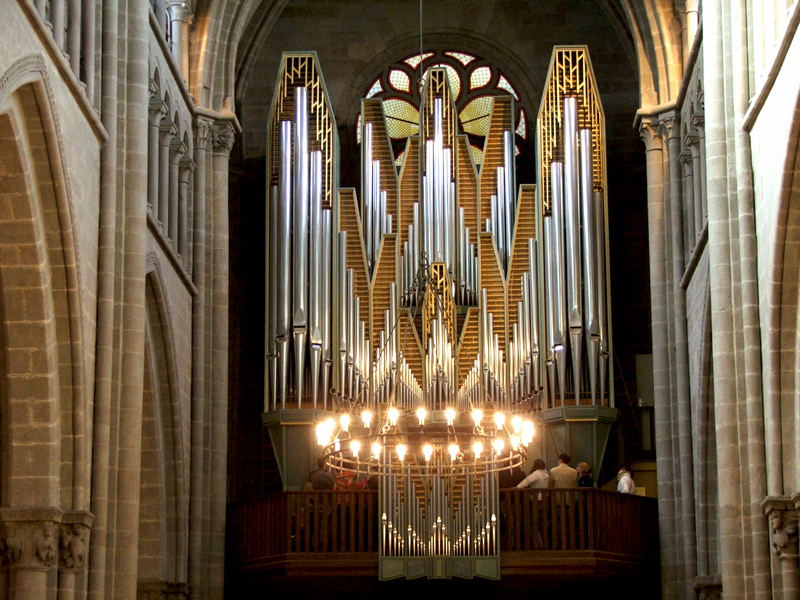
406	248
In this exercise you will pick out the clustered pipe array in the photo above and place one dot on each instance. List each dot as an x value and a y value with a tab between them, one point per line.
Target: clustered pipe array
575	272
300	261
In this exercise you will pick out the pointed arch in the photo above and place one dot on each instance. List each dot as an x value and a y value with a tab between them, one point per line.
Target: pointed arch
163	522
44	396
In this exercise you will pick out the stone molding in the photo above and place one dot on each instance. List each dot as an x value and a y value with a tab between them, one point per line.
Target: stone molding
74	539
708	588
41	538
29	537
782	514
161	590
224	135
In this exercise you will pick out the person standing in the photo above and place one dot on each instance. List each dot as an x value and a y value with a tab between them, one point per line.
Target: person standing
562	475
584	475
539	477
625	483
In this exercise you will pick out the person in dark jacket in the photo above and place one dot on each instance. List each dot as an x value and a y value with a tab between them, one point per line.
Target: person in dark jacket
584	475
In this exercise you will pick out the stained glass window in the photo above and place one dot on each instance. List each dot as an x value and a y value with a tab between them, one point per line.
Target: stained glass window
400	80
522	127
376	88
402	118
503	84
473	81
474	116
480	78
413	61
461	57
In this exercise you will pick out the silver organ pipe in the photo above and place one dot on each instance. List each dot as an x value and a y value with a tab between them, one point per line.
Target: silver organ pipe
572	238
272	344
558	291
300	237
315	291
284	226
592	324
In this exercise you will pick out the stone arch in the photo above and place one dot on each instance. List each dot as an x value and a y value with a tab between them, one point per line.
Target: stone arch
44	413
163	522
782	329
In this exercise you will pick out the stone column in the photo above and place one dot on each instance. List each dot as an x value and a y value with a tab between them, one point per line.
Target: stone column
197	506
222	142
177	150
782	513
681	353
30	536
651	136
186	168
166	132
73	546
176	10
157	111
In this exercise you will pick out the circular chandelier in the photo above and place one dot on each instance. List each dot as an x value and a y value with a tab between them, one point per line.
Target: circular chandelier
403	428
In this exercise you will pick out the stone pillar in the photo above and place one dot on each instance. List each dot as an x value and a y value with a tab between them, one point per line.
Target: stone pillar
651	136
74	37
166	132
782	514
177	150
30	538
178	38
197	507
186	168
681	352
222	142
157	111
73	546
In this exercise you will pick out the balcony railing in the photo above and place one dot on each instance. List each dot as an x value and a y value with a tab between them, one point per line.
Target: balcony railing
534	524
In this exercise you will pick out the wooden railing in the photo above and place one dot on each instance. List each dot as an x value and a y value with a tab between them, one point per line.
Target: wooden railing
297	522
583	519
578	519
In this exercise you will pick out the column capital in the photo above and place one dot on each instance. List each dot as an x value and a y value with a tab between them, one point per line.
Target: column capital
29	537
650	133
168	130
224	135
670	124
73	539
202	132
782	514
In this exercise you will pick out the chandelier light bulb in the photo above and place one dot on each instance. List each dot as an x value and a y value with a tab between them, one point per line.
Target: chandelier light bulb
450	415
393	414
355	446
477	416
344	421
421	414
499	419
527	432
477	448
516	423
514	442
337	445
427	452
453	450
376	450
499	445
401	451
366	417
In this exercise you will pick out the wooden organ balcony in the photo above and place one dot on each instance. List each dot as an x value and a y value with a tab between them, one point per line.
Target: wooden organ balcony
581	532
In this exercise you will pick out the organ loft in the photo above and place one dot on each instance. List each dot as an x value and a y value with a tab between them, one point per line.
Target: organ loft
442	316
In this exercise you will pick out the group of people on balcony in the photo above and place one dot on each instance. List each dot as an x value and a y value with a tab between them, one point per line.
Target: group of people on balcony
564	476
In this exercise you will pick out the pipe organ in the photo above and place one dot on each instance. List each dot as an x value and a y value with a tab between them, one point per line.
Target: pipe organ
438	290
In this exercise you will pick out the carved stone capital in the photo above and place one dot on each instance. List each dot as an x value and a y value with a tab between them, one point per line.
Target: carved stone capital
669	124
30	537
650	132
223	137
782	515
73	541
202	132
708	588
